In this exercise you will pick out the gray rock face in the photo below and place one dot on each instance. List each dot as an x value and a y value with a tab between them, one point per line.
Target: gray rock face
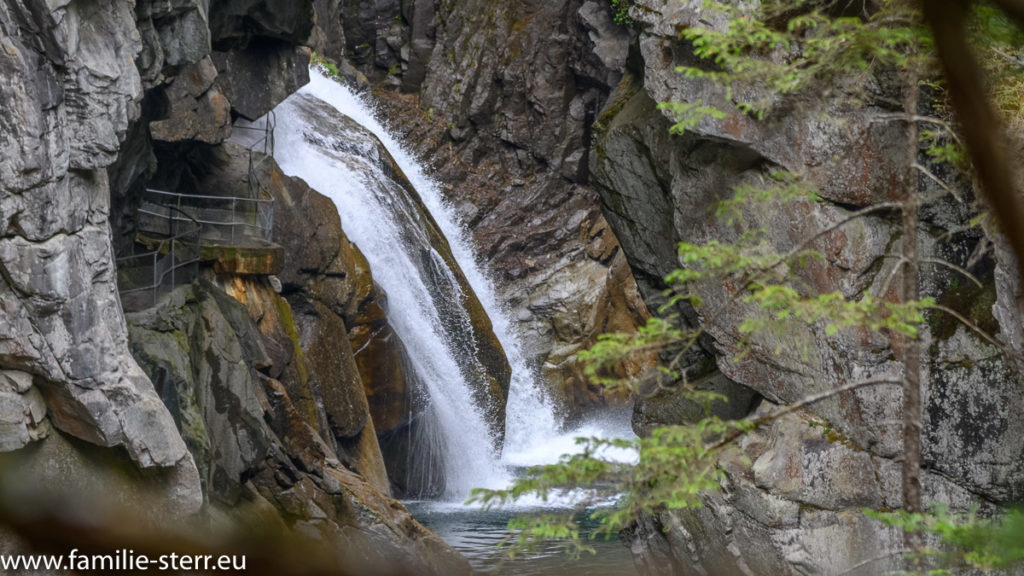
658	189
255	437
611	41
387	40
70	88
175	33
504	114
198	110
329	34
262	75
22	411
233	23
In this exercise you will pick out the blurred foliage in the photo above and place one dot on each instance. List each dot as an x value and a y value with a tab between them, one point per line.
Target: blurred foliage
965	541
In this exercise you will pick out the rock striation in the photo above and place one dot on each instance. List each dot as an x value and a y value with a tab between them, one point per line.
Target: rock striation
70	90
233	401
507	93
532	111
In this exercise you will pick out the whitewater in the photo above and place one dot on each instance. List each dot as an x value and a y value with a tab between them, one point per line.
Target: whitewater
532	428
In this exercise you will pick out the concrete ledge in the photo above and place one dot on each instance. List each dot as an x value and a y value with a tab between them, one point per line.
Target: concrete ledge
265	260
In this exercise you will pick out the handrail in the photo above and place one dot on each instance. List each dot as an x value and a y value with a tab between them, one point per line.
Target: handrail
164	261
254	212
268	142
226	212
202	197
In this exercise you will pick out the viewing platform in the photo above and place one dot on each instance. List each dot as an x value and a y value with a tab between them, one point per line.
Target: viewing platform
177	232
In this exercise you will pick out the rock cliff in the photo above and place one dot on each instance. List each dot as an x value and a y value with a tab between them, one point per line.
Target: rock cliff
71	89
507	93
658	189
532	110
233	399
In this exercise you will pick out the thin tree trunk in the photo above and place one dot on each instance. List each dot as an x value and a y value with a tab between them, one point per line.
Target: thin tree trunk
978	122
911	346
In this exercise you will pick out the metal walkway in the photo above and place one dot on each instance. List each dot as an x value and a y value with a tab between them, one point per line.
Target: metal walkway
143	277
172	227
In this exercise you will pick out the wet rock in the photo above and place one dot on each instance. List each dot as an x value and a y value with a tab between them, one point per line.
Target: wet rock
463	319
268	458
321	294
393	392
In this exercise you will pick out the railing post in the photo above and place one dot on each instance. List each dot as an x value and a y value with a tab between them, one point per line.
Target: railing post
234	203
156	278
198	254
174	265
270	226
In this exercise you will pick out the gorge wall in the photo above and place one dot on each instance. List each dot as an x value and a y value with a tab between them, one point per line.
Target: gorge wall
233	402
499	98
536	113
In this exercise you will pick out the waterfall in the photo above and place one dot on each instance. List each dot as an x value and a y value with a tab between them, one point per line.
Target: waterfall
454	426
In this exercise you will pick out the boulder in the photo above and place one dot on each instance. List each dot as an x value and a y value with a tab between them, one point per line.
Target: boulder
257	78
198	110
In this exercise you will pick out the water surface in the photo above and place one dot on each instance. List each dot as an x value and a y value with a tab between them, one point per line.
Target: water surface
476	534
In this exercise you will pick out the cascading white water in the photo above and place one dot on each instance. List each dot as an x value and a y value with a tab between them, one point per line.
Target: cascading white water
530	419
455	425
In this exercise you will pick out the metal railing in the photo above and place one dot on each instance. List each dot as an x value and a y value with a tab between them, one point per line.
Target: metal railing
142	278
179	223
226	220
256	188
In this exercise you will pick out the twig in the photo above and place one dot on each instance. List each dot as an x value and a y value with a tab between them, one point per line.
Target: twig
870	561
803	245
954	267
928	173
892	274
756	423
974	328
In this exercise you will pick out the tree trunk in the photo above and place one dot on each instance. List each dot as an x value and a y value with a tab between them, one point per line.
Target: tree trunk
911	346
